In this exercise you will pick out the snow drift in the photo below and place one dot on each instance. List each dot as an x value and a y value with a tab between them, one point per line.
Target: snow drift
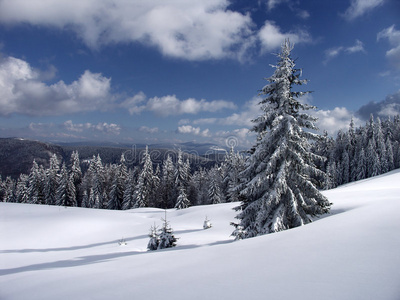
49	252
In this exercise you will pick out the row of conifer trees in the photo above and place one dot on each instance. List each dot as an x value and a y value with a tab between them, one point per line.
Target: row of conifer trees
115	186
361	152
354	154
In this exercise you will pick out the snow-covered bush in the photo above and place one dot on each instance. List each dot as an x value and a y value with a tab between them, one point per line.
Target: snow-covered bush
207	224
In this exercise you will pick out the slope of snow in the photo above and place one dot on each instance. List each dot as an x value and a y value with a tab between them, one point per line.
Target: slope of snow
73	253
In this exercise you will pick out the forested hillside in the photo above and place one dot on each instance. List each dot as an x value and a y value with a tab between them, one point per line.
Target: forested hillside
167	178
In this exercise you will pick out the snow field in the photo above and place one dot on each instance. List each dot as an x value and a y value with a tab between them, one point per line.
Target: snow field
73	253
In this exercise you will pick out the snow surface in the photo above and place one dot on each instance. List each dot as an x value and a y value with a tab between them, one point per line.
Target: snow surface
49	252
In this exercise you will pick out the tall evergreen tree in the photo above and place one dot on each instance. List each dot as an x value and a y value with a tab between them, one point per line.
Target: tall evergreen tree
145	183
361	166
278	192
116	194
35	189
389	154
168	183
51	181
372	159
98	184
9	190
199	184
182	174
214	186
234	163
65	194
128	199
76	174
21	190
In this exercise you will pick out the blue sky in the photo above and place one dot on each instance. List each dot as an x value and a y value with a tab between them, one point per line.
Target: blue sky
174	71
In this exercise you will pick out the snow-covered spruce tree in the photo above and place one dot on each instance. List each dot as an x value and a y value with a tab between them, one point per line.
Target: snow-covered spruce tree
21	190
9	190
146	182
168	183
278	191
36	186
51	180
182	201
234	164
116	195
199	184
65	194
97	177
154	238
214	186
182	175
128	200
76	174
166	236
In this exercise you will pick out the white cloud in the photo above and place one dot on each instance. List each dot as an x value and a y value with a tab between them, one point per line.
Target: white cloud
239	139
171	105
388	107
271	37
108	128
250	111
205	121
192	30
70	126
271	4
334	120
303	14
22	91
104	127
393	37
329	120
336	51
134	104
149	130
38	127
358	47
188	129
360	7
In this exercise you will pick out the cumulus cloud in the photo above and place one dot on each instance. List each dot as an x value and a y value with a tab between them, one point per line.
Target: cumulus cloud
190	30
135	104
329	120
188	129
334	120
393	37
104	127
358	8
389	107
23	92
336	51
171	105
193	30
271	37
149	130
248	112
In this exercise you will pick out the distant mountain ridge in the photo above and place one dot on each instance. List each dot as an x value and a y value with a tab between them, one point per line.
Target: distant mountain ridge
17	155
